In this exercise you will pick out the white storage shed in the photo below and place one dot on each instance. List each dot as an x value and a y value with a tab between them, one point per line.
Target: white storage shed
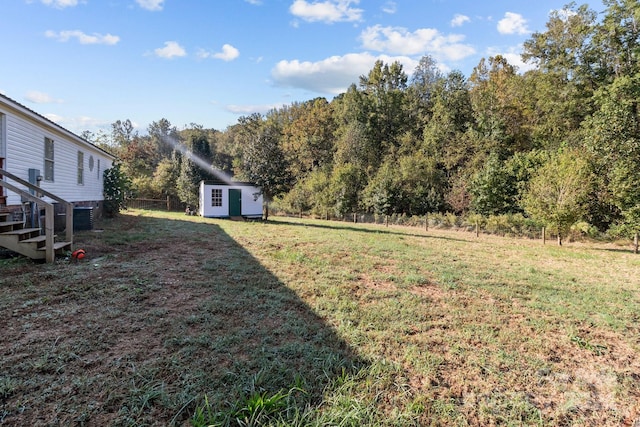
233	199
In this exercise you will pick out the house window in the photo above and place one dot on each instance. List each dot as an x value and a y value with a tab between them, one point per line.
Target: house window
80	168
216	197
48	159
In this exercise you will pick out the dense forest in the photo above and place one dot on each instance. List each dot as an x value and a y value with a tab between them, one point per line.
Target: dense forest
559	144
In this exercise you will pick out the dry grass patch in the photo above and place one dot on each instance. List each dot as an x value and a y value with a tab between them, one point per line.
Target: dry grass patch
180	320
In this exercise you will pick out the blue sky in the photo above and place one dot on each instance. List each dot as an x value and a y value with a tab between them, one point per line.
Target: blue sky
87	63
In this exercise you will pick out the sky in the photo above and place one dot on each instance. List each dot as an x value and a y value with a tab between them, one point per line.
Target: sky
85	64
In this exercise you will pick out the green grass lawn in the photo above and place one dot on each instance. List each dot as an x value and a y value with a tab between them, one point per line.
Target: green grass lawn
184	320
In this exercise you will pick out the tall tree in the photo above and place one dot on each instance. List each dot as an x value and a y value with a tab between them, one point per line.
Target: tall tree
165	137
308	136
385	89
422	184
346	185
195	167
618	39
567	73
122	132
613	135
382	194
499	108
264	162
557	195
444	136
165	177
493	189
421	94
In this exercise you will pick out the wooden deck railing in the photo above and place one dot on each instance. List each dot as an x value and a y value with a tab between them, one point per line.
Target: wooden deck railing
49	210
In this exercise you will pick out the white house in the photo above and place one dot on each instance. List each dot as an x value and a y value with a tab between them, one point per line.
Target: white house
232	199
39	151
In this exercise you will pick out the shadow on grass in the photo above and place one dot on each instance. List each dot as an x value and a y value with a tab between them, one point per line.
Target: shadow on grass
162	314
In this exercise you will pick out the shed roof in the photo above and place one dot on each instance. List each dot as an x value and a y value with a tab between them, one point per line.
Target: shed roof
221	182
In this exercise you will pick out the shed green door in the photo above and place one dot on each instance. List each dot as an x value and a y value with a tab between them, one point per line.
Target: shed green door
235	202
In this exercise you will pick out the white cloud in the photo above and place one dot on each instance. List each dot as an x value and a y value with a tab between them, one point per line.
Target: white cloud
515	59
513	55
563	14
390	7
250	109
397	40
332	75
170	50
328	11
60	4
41	98
152	5
81	123
513	23
55	118
95	38
459	20
228	53
255	2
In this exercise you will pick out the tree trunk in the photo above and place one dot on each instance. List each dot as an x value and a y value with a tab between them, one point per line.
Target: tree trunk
386	220
559	239
635	243
266	211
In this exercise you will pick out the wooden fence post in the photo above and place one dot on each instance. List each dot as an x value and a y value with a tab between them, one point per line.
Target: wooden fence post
426	222
544	236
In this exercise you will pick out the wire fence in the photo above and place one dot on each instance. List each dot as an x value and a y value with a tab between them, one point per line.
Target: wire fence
168	204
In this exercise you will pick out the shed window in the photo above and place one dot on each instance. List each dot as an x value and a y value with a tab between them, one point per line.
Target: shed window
48	159
80	168
216	197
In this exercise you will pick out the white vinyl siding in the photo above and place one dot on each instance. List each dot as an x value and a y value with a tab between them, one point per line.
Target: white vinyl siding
25	149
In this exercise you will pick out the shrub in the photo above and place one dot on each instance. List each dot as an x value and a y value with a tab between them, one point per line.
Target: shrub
116	190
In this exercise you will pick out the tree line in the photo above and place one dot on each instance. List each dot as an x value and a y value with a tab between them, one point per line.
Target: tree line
559	143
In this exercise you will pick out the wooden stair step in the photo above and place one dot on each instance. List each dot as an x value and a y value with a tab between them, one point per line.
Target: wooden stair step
10	223
37	239
20	231
57	246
